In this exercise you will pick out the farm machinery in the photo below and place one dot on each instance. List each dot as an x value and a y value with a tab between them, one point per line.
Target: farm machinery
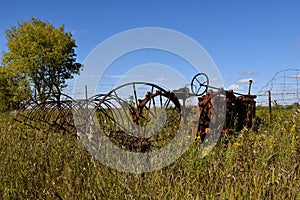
140	116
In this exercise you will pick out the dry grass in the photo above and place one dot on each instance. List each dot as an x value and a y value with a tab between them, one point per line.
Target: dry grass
263	165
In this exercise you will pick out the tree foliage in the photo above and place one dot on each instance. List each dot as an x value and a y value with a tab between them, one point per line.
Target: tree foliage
14	90
42	56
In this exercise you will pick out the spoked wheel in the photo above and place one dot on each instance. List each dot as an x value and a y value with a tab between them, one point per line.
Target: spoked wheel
199	84
138	116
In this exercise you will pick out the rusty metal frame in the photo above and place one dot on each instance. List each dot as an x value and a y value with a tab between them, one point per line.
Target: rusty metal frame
58	116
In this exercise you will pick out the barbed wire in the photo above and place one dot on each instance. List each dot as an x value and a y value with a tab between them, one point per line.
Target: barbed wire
284	88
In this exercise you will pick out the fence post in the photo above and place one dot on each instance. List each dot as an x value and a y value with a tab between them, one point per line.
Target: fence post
86	95
270	105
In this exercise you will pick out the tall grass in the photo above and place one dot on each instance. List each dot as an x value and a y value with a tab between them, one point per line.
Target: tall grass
263	165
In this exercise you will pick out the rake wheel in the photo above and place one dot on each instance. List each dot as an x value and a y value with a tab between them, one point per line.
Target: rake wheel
137	120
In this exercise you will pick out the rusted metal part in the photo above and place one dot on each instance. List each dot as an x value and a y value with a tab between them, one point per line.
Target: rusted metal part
240	111
142	103
131	123
134	121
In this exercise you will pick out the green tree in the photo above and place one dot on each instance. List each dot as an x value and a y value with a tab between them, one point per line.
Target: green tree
14	90
43	55
4	98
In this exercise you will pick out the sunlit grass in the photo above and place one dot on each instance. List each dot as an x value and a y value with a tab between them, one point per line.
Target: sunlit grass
249	165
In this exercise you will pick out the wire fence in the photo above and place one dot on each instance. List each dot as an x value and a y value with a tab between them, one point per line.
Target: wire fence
283	88
281	93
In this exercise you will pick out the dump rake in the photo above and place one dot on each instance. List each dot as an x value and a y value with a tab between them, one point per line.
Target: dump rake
49	115
139	121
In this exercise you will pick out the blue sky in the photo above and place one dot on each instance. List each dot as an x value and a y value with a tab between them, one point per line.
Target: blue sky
245	39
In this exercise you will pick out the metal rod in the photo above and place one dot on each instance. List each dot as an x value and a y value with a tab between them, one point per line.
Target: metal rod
212	87
86	95
250	83
135	96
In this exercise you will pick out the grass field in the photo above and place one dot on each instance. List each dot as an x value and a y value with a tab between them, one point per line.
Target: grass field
263	165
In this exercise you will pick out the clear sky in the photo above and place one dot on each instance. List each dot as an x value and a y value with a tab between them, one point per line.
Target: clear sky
246	39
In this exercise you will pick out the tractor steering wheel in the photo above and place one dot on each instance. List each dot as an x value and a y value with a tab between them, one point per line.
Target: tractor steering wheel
199	84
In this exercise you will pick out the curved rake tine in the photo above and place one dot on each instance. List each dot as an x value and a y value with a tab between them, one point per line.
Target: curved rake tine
119	100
